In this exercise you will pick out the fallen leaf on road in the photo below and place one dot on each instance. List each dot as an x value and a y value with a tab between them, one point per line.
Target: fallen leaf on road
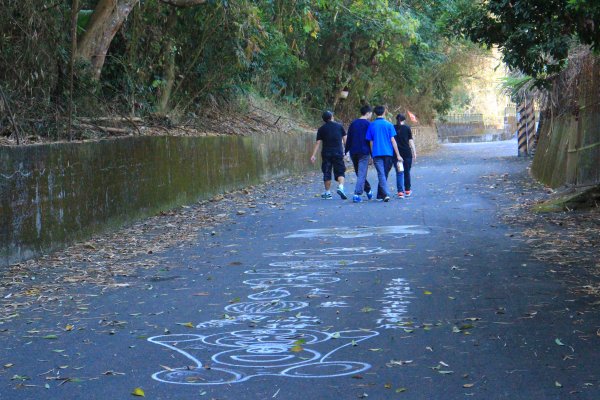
186	324
50	337
387	386
558	342
558	384
69	328
401	390
138	392
468	385
109	373
394	363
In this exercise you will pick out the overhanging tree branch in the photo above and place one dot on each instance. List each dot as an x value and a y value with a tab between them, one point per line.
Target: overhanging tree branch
183	3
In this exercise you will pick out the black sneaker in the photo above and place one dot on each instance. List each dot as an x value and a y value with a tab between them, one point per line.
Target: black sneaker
386	199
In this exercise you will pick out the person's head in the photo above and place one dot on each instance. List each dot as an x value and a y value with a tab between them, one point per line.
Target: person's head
379	111
400	118
366	111
327	116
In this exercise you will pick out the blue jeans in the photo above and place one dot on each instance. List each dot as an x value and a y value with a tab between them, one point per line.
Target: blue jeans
361	167
383	165
399	178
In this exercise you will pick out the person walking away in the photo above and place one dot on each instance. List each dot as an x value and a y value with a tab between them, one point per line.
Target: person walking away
360	152
333	138
381	134
408	152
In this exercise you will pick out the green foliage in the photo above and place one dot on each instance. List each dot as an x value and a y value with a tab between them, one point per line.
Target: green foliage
535	35
177	60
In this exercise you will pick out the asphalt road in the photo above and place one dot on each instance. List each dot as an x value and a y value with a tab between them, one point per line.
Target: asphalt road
429	297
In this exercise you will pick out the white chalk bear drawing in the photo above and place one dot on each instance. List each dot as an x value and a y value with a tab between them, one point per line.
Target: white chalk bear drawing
237	356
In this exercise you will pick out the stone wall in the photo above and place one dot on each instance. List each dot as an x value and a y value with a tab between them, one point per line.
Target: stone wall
568	149
426	138
54	194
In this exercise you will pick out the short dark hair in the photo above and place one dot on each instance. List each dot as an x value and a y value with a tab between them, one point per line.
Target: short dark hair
400	118
365	109
379	110
327	115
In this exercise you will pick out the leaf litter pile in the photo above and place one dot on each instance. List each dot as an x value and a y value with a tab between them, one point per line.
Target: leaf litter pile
106	260
568	240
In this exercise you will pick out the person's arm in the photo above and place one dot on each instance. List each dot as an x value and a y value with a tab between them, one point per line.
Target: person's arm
395	146
348	142
313	158
413	150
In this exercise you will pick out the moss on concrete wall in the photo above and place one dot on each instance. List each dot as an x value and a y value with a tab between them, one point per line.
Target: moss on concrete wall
54	194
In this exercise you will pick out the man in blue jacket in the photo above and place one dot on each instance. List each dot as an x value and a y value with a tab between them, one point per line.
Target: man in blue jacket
383	148
360	152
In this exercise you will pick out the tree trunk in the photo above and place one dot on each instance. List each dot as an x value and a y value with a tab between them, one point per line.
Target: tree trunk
74	15
105	22
167	89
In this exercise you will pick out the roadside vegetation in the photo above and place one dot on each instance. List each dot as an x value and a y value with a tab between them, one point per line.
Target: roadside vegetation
70	70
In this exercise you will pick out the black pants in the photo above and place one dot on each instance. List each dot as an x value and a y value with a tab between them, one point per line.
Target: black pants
354	158
407	165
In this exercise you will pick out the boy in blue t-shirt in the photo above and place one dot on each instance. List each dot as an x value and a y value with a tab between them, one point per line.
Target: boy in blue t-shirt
383	147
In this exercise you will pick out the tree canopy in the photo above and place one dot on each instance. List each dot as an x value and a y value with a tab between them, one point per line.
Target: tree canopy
535	36
172	57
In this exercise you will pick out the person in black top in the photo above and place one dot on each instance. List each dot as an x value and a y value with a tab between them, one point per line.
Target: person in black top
333	138
408	152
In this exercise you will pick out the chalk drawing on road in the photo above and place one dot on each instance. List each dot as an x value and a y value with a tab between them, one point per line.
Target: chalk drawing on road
349	233
334	304
305	264
265	307
394	304
281	338
295	281
271	294
236	320
337	251
299	321
237	356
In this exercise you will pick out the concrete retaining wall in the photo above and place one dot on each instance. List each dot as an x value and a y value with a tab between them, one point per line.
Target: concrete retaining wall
54	194
426	138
